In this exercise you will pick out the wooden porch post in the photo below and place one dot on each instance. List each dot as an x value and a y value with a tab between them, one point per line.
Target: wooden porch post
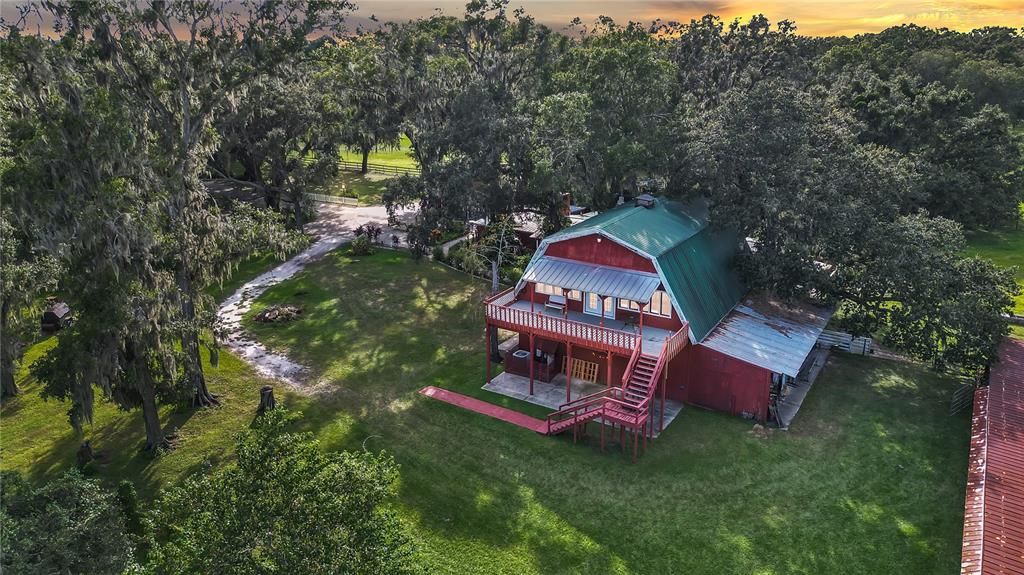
641	320
608	375
664	384
533	290
533	360
602	310
487	348
568	371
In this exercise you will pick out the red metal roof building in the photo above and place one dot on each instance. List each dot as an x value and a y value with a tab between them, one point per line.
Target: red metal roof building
994	511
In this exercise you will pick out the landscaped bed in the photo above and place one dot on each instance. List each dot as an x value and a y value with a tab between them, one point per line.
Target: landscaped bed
869	480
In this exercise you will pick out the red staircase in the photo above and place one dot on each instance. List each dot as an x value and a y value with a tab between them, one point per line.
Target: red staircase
627	406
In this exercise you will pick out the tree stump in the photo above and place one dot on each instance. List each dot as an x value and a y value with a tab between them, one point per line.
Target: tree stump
84	455
266	400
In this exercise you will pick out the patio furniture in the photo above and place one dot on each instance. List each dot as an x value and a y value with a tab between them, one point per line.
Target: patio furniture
556	302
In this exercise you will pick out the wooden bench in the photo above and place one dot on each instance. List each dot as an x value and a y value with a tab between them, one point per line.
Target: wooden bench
556	302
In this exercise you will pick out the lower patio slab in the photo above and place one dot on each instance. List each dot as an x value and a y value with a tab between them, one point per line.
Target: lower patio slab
552	395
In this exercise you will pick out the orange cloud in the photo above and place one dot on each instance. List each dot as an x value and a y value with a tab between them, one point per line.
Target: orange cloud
830	17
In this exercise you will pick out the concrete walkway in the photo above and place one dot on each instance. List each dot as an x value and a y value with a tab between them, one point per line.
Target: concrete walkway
794	393
334	226
447	246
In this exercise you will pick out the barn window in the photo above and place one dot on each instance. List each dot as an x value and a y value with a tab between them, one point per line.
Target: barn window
574	294
548	289
629	304
661	304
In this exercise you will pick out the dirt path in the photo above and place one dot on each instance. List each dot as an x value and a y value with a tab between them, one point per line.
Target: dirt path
335	225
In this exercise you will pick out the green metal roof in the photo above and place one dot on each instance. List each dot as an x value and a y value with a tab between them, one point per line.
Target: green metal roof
653	230
693	261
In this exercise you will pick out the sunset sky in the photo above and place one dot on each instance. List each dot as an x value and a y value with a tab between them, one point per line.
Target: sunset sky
828	17
812	18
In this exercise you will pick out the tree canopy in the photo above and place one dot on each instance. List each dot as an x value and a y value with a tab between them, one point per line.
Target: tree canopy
286	506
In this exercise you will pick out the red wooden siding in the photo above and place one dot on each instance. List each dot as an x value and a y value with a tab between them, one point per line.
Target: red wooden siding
578	352
707	378
605	253
993	541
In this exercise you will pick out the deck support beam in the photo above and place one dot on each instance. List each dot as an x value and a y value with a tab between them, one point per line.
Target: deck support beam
664	384
533	360
608	375
568	372
487	349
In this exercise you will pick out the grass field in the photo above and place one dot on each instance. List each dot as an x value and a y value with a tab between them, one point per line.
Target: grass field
870	479
398	156
1004	248
368	188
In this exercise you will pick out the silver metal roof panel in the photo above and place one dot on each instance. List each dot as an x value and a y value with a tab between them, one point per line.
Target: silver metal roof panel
768	334
603	280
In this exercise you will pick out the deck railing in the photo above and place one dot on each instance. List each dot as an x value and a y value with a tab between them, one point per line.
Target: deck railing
677	341
577	332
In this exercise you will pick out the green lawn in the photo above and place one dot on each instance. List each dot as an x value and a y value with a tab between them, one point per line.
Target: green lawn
387	156
368	188
870	479
1004	248
245	271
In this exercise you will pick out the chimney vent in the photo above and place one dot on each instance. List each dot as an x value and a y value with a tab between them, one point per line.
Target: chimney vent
645	201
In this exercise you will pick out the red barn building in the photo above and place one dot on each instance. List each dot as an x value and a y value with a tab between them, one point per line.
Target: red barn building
643	301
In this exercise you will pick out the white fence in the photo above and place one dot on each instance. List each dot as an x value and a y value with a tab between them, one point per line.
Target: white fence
345	201
845	342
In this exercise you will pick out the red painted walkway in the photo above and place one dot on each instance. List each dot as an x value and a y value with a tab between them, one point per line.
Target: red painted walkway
488	409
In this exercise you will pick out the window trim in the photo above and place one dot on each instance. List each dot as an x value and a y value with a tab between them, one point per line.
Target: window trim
548	289
668	302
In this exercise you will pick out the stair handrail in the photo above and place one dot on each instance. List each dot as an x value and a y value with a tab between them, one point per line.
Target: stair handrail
659	365
602	393
574	411
632	363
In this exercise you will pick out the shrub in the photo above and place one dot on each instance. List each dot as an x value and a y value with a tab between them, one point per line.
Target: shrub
69	525
438	254
372	231
285	506
361	246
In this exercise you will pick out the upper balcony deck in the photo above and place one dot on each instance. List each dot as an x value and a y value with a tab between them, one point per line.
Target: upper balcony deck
505	311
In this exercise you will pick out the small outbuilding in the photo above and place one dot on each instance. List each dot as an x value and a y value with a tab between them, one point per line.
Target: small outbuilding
57	315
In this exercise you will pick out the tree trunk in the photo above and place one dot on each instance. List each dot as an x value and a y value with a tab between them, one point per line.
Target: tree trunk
266	400
7	383
84	455
154	433
8	386
190	344
366	159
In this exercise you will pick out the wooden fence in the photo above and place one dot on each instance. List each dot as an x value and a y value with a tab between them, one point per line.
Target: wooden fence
845	342
379	168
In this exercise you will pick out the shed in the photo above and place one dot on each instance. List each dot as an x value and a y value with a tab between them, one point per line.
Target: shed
56	316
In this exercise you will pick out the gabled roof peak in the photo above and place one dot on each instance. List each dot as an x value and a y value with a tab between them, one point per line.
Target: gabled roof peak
651	230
